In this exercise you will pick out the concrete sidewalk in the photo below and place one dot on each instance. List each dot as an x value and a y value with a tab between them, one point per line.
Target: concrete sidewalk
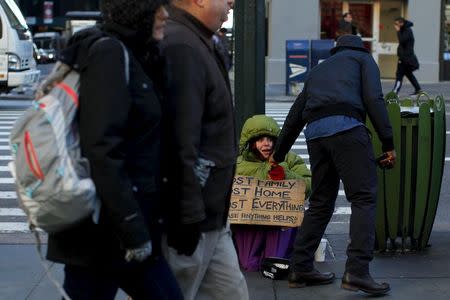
412	275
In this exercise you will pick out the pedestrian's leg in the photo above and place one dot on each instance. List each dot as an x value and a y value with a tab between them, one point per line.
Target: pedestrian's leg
399	77
151	279
223	279
413	81
189	270
356	166
325	187
87	284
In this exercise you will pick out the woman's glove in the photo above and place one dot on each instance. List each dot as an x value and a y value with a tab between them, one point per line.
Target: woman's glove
139	254
277	172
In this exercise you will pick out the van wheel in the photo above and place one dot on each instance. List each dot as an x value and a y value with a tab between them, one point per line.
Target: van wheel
5	89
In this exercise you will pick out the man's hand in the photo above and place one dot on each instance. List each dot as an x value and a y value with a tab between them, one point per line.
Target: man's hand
185	238
388	160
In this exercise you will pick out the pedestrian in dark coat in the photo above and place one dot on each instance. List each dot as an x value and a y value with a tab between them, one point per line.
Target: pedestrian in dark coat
201	154
346	25
335	108
120	132
407	59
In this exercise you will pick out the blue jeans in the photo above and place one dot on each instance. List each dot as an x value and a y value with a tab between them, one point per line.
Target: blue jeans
151	279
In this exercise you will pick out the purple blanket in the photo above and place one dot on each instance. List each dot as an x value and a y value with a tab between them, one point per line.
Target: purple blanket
256	242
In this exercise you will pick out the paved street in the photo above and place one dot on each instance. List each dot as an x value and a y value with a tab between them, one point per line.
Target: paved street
412	275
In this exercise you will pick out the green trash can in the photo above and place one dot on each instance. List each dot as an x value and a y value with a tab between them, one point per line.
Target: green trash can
408	194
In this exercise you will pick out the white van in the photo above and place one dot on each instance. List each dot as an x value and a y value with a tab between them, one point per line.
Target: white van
17	65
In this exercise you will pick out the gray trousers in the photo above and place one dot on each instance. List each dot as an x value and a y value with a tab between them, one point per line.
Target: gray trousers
212	272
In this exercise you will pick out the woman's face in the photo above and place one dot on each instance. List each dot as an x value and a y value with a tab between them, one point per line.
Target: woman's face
264	145
161	16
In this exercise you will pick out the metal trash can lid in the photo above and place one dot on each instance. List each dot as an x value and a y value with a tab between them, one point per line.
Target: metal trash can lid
411	110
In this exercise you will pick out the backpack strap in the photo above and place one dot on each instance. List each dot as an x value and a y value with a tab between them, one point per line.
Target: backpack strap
126	56
127	62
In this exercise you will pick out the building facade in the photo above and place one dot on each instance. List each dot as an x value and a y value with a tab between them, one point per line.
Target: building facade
49	15
374	19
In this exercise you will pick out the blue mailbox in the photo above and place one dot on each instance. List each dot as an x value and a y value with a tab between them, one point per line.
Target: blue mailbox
297	64
320	50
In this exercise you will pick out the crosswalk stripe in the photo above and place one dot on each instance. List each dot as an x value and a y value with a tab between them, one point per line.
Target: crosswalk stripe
4	169
5	157
6	127
10	227
8	195
299	147
6	180
11	212
343	211
4	147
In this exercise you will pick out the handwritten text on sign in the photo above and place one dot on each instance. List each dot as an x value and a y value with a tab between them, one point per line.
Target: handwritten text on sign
267	202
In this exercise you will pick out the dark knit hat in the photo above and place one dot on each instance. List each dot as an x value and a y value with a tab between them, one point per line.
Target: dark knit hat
134	14
349	41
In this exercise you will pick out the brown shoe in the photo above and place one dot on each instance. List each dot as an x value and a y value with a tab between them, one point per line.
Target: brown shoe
364	283
314	277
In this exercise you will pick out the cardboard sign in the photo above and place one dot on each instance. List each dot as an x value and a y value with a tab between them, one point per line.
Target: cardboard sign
267	202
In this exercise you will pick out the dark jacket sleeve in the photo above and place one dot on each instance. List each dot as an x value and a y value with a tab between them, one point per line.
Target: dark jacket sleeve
291	128
404	36
186	102
104	107
374	102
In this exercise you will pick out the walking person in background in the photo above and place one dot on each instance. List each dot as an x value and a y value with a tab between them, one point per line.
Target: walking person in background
119	125
334	107
224	41
407	59
346	25
201	153
257	142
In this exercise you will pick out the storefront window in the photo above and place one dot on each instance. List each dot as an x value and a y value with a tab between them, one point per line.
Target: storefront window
331	13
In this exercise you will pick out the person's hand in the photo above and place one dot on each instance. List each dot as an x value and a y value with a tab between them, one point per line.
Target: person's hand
140	253
55	77
388	160
185	238
277	172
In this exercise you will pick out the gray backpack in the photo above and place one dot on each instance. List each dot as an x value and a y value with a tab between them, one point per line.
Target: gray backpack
53	181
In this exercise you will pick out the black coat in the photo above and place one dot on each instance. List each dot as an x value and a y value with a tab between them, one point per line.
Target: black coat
405	50
347	83
119	129
200	124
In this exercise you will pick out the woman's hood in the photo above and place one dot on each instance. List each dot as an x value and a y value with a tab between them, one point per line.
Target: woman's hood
255	126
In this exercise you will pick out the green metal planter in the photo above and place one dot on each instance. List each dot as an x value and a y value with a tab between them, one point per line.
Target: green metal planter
408	194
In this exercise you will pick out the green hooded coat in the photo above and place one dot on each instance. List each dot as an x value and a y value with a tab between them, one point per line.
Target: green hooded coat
249	164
